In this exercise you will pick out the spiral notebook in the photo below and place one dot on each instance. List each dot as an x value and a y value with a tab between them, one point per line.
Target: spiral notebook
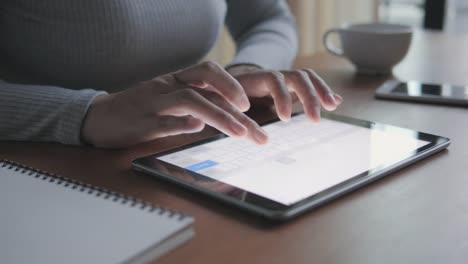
46	218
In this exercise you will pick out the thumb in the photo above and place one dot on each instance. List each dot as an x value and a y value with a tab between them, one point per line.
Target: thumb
174	125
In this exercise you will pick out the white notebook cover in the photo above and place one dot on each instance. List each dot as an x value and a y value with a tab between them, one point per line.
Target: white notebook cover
50	219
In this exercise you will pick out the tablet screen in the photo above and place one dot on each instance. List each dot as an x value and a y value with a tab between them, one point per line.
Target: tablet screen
301	158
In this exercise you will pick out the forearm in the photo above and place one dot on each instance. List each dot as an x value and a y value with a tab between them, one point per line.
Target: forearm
42	113
264	32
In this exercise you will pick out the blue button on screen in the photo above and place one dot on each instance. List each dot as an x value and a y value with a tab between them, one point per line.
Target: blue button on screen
201	165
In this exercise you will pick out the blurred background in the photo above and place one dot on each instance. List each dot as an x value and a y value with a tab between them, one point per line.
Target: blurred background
314	17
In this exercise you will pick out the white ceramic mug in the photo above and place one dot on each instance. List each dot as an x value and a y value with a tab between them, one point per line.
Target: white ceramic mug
372	48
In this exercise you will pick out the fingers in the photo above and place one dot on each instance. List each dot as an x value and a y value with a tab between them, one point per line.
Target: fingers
330	100
171	125
286	87
305	90
312	92
254	131
210	74
189	102
150	128
280	94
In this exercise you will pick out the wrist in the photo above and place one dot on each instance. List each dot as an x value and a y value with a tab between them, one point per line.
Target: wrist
91	119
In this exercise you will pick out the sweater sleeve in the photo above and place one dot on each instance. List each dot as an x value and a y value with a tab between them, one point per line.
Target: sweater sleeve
264	32
43	113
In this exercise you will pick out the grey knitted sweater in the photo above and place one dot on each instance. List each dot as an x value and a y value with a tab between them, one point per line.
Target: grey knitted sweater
57	55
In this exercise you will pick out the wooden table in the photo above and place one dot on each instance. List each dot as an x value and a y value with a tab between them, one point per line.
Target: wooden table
417	215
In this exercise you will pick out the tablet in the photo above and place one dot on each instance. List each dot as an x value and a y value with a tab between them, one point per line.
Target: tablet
303	165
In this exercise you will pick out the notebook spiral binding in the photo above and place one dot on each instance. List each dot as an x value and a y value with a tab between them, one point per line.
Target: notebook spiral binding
91	189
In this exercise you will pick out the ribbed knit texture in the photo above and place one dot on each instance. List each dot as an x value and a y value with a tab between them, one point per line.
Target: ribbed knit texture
57	55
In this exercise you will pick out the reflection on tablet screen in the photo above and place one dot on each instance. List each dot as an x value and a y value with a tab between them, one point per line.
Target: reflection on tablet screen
300	160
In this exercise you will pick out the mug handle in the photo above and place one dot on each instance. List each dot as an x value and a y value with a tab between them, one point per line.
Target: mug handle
329	45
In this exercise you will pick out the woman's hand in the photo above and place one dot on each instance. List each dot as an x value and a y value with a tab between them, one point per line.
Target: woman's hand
286	87
176	103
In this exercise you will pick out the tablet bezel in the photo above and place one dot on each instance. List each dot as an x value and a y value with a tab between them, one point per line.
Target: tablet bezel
272	209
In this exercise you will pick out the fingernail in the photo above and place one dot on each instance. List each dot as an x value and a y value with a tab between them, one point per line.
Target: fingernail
285	117
338	98
243	103
238	129
260	136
